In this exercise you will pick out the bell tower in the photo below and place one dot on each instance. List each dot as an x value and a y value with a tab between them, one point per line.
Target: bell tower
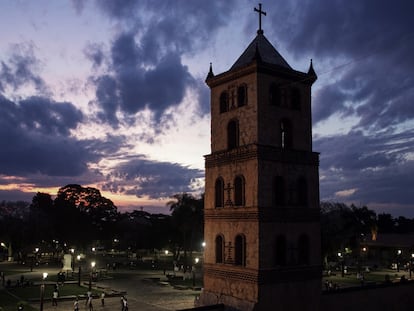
262	228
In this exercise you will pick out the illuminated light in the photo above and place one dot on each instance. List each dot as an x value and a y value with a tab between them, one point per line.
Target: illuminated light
45	274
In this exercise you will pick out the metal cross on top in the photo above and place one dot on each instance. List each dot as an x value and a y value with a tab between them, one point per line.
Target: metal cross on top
260	17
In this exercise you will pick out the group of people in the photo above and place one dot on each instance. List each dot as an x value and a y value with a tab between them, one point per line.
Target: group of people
88	302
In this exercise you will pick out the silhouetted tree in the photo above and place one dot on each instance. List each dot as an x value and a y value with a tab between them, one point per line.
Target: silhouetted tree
344	226
187	218
43	216
84	213
386	223
14	226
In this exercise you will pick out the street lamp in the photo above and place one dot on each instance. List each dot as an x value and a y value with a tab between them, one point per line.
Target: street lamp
42	290
93	263
398	259
79	270
341	260
196	260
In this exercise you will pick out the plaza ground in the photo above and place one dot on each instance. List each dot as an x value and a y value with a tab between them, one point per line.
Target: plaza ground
145	290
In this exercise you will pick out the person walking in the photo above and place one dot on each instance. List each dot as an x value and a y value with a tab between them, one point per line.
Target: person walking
55	297
76	305
125	307
89	303
122	303
103	299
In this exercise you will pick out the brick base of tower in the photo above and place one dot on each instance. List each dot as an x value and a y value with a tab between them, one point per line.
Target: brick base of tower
277	294
304	296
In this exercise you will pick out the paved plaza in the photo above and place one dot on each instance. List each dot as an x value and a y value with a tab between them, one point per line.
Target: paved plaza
142	293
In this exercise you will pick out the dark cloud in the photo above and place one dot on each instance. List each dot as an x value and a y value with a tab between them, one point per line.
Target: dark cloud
172	25
152	178
94	52
132	87
146	57
330	100
20	68
36	133
108	99
380	167
342	28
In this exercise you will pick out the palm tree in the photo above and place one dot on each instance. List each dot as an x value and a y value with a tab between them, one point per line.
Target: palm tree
187	218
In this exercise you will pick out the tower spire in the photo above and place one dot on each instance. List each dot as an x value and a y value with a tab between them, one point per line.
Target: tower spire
260	12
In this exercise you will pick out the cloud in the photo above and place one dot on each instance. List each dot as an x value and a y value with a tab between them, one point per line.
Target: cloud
381	167
37	132
152	178
362	48
132	87
95	53
19	70
146	69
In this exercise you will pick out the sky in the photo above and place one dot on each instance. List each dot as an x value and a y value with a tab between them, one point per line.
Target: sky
111	94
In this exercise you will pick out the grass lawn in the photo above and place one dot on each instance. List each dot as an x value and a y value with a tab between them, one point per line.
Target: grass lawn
10	303
371	277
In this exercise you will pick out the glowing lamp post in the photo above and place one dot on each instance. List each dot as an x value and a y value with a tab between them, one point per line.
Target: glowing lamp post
398	259
196	260
93	263
341	260
411	264
79	270
42	290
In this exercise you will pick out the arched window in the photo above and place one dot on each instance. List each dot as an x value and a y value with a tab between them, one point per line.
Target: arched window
219	192
224	102
274	95
286	134
303	250
280	251
219	249
296	98
239	191
302	191
278	191
240	250
233	134
241	95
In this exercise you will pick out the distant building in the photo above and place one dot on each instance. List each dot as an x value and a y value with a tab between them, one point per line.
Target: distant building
388	250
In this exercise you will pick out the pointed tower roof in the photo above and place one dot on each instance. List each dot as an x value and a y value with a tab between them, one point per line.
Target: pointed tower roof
260	49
